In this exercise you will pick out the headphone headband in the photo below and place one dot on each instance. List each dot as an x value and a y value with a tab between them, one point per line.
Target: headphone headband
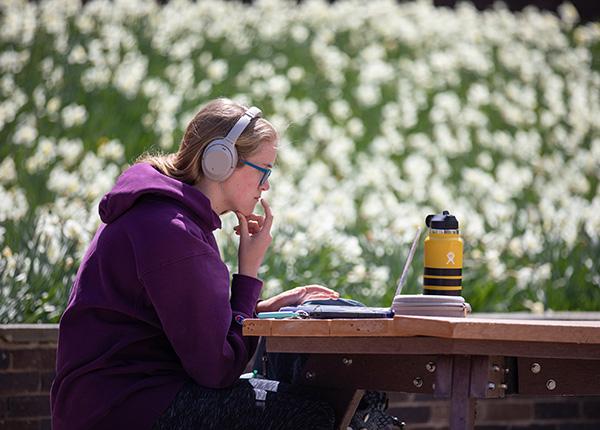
241	124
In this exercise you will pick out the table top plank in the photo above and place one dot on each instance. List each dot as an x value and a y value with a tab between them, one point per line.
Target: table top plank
585	332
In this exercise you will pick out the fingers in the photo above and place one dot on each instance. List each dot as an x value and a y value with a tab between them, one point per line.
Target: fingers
309	297
298	293
319	294
256	219
255	224
252	248
253	228
268	222
320	289
243	227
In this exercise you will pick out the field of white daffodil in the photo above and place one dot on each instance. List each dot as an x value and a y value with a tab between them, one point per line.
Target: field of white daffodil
388	112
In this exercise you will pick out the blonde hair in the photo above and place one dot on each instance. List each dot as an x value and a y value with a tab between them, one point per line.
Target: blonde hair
213	121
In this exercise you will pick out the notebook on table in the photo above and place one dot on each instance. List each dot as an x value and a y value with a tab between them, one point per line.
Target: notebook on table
326	309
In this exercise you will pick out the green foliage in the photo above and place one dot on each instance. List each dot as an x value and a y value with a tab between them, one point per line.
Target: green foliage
388	112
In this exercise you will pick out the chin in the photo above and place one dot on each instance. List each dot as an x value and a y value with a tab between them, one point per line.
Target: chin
248	209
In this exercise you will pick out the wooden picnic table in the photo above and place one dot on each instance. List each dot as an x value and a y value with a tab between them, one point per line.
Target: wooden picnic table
462	359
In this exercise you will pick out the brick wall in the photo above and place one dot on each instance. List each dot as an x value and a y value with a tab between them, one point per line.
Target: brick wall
422	412
27	357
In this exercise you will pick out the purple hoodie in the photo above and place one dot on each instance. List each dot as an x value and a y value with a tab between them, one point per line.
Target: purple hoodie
150	308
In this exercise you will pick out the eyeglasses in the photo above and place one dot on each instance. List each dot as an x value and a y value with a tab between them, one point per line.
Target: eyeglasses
265	172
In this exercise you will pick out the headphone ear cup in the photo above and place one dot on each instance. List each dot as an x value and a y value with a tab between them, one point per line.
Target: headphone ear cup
219	160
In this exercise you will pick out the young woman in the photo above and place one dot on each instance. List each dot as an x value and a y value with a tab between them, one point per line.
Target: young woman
152	336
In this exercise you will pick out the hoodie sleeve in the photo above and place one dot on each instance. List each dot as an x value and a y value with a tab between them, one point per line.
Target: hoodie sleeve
191	298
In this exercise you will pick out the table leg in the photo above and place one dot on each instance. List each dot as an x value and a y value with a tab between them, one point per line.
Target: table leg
462	405
344	404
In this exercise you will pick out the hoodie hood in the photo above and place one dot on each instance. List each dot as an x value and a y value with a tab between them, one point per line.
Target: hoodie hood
143	179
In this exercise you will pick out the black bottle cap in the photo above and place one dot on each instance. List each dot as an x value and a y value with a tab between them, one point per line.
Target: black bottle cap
443	221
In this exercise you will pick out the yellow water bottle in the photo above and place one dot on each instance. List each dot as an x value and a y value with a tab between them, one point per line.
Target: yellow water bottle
443	256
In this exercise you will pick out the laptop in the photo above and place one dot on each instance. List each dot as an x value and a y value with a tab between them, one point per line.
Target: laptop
344	308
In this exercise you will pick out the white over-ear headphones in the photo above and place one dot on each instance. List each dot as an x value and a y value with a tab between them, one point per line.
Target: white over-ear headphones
220	156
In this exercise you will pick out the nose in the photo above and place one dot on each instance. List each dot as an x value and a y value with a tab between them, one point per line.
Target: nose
265	186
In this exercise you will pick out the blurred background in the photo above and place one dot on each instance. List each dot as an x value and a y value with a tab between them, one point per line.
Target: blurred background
587	10
387	112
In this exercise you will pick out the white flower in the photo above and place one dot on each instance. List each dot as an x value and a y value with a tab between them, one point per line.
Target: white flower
217	70
77	55
417	168
8	171
485	160
53	106
478	94
536	308
299	33
44	155
367	94
568	14
279	85
69	150
320	128
62	182
90	167
7	84
13	204
184	47
295	74
376	72
39	98
379	277
73	230
130	73
12	61
340	109
355	127
55	77
26	132
18	22
358	274
74	115
511	178
96	77
48	230
592	219
112	150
